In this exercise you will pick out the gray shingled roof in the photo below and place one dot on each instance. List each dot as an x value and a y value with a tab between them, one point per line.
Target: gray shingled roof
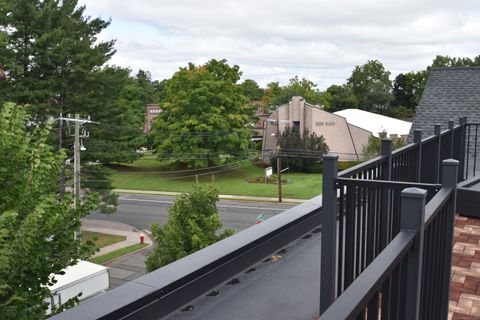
450	93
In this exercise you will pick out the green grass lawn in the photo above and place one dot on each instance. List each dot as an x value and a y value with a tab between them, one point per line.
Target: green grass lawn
118	253
149	174
102	239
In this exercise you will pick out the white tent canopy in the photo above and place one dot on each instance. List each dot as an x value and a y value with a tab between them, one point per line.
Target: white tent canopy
375	123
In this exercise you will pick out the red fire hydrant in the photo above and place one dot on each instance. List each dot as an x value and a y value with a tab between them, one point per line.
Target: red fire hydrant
142	238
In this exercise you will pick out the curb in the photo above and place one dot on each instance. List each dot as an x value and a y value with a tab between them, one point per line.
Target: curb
221	196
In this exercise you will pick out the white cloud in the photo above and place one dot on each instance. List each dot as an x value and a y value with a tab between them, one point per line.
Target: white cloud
274	40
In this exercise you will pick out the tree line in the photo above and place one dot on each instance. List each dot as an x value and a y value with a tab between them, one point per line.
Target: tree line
369	87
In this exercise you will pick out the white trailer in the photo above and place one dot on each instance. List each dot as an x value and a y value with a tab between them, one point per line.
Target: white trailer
86	277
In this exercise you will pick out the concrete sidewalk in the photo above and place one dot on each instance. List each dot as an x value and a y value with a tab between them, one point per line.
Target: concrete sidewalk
125	268
222	196
111	227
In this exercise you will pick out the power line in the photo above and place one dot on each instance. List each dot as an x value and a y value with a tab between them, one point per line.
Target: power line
177	171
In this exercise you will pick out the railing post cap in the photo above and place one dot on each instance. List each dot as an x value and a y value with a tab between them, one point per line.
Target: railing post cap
330	156
387	139
450	162
418	130
414	193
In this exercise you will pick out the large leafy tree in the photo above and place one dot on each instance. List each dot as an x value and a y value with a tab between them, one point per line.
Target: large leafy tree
341	97
193	224
408	89
371	86
36	225
250	89
204	118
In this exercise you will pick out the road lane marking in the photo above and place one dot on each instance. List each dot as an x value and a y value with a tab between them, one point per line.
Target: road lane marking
220	205
124	197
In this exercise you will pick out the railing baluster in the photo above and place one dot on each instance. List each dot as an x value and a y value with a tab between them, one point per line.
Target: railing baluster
475	151
468	152
341	240
437	131
451	124
350	238
417	138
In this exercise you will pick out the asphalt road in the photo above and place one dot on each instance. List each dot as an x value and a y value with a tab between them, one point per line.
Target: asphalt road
141	211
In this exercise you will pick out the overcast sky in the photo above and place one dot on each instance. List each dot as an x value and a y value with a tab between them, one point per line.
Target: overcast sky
274	40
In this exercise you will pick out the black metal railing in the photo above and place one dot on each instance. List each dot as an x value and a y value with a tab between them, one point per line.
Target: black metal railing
368	219
409	279
362	215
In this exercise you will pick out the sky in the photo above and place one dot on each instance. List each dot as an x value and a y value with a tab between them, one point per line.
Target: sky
274	40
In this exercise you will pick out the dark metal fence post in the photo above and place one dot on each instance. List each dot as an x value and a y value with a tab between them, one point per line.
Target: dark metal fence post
437	130
328	268
450	178
417	138
385	219
413	218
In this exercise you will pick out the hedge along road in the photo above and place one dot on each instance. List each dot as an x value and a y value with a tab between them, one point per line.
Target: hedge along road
140	211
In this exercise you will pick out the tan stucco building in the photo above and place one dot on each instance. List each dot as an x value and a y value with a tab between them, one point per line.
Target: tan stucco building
343	139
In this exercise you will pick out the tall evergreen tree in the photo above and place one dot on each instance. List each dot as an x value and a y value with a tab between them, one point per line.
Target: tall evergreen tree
54	63
49	49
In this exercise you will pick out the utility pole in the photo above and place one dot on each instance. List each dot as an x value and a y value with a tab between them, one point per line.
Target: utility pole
279	161
76	160
77	147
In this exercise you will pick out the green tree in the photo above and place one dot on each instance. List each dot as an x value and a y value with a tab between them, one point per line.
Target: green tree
193	224
204	118
408	89
52	60
341	97
279	95
250	89
272	90
119	111
446	61
36	225
371	86
50	47
300	151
